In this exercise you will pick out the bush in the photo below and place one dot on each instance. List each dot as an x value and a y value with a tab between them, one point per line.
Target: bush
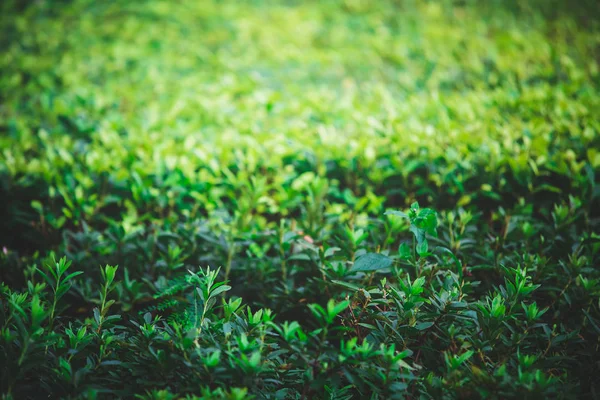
299	200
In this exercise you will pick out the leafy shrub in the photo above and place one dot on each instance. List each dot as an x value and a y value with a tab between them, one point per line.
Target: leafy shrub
402	198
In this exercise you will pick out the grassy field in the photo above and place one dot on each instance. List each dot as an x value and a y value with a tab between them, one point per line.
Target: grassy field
299	200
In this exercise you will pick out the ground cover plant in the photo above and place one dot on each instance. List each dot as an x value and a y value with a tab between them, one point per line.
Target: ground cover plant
299	200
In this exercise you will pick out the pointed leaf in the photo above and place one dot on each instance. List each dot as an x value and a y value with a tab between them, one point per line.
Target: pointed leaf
371	262
396	213
219	290
346	285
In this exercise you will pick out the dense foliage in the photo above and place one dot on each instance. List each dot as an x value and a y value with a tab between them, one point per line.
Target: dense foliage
322	200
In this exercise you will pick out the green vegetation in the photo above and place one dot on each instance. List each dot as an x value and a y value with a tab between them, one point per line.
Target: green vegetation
319	200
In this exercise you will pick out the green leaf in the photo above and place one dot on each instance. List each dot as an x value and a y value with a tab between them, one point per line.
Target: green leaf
254	360
37	311
63	265
347	285
109	273
427	221
371	262
36	205
108	304
465	356
73	275
317	311
404	251
396	213
334	309
219	290
46	277
422	248
421	326
418	233
592	322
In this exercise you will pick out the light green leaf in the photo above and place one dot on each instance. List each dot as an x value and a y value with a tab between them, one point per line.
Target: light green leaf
219	290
